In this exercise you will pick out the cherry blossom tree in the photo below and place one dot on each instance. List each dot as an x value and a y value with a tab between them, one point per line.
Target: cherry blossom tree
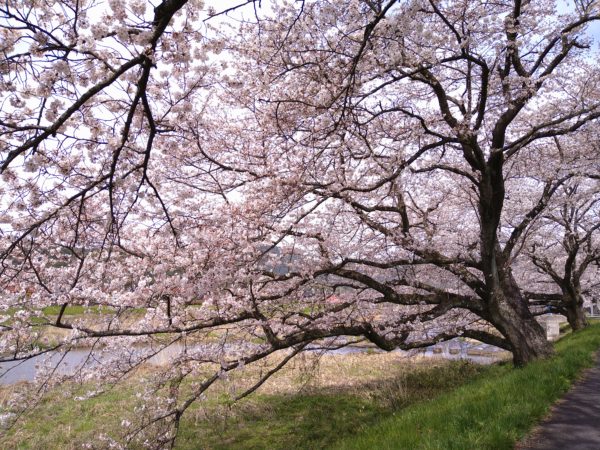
247	182
405	118
556	258
565	251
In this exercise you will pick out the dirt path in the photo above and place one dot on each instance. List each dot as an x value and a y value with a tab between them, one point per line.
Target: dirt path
574	422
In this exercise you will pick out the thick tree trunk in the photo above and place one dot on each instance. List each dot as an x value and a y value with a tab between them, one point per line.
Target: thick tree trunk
506	308
509	313
575	314
525	335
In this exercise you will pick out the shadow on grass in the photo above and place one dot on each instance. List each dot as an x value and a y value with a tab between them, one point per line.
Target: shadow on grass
318	417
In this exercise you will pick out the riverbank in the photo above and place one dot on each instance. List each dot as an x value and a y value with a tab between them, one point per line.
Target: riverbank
68	363
310	404
366	400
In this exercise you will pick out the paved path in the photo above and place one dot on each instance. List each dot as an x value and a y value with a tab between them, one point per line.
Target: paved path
574	423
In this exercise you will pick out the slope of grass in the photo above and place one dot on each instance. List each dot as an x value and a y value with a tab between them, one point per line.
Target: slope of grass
346	394
319	417
493	412
353	402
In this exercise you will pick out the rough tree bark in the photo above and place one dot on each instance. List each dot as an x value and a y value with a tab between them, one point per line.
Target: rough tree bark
573	308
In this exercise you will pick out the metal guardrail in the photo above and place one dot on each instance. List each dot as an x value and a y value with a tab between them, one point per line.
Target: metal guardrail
593	310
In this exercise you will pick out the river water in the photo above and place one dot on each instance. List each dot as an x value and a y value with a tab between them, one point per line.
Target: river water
68	363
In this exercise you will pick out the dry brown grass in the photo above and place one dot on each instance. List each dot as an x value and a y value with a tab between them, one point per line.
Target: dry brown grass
363	385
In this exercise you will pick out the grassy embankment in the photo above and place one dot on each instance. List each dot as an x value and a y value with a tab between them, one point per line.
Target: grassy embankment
306	405
493	412
352	401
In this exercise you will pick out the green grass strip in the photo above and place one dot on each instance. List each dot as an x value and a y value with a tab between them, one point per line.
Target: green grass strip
492	412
